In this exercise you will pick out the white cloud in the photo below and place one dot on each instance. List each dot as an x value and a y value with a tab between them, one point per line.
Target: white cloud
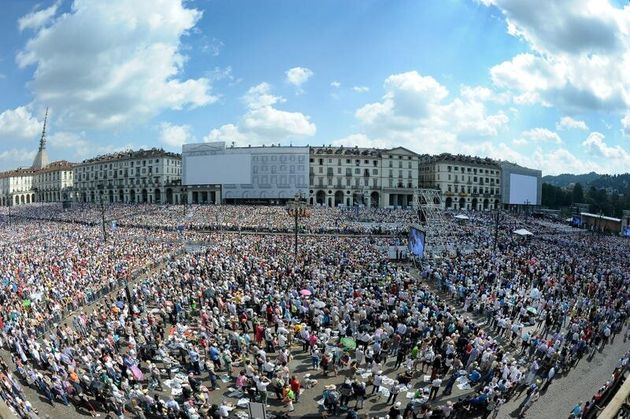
38	18
175	135
260	96
13	158
227	133
561	160
297	76
596	145
625	124
263	122
19	124
541	135
568	123
361	140
413	103
361	89
84	148
107	64
335	84
212	46
580	52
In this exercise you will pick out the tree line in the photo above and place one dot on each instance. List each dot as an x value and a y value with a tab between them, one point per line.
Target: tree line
599	200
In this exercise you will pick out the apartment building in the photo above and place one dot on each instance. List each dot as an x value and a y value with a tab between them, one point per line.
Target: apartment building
466	182
143	176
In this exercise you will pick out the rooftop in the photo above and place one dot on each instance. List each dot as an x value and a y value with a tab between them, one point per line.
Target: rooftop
460	158
132	154
348	151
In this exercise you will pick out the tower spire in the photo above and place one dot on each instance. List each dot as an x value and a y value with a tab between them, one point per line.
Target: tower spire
42	141
41	159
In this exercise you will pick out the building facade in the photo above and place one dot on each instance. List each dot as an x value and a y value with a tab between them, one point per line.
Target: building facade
16	187
466	183
144	176
521	187
349	176
215	173
54	182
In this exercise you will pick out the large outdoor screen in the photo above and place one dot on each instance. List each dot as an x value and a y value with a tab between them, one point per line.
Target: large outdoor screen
523	190
416	241
224	169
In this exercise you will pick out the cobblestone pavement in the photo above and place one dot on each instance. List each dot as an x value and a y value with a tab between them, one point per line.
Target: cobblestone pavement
580	384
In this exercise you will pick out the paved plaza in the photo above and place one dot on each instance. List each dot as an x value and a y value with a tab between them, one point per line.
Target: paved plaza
158	322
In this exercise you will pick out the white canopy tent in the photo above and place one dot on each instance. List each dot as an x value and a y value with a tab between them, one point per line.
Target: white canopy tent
523	232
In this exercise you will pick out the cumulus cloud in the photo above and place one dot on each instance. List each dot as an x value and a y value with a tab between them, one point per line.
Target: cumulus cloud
415	105
541	135
625	124
263	122
107	64
19	124
335	84
16	157
38	18
297	76
580	51
596	145
361	140
561	160
175	135
83	148
569	123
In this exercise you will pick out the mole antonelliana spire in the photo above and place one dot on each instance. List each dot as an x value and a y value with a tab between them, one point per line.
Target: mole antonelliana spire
41	159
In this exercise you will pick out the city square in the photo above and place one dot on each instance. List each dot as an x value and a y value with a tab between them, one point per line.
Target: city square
283	209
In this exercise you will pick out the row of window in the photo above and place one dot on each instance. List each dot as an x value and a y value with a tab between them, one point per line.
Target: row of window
473	189
469	170
132	163
392	183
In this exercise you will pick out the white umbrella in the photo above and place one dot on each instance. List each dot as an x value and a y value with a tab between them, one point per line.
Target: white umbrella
462	217
523	232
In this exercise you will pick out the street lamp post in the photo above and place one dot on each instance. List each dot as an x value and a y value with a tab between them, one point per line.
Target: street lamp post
497	221
296	209
102	214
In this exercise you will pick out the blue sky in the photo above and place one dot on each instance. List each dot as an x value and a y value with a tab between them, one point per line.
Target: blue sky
542	86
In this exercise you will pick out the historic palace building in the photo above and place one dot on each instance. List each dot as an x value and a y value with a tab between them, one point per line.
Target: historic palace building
143	176
371	177
465	182
42	182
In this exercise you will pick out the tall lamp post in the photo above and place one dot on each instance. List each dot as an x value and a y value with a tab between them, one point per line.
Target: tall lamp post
297	209
497	222
101	187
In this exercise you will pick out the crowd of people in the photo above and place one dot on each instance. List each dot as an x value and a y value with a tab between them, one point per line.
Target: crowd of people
242	320
227	217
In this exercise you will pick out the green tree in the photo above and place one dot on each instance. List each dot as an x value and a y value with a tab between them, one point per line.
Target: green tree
577	194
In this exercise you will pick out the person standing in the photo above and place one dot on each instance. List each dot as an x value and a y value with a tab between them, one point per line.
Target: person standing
376	383
295	387
393	392
435	387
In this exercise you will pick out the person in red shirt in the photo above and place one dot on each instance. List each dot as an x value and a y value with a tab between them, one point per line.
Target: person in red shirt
295	386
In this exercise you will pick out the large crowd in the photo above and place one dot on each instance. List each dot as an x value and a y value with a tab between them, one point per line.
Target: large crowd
138	327
226	217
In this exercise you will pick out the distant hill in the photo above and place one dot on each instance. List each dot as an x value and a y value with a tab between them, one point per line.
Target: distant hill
618	183
566	179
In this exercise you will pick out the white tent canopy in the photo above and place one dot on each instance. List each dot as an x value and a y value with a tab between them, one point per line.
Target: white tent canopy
462	217
523	232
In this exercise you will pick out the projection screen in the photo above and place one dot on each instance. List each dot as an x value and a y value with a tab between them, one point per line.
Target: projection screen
523	190
226	169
